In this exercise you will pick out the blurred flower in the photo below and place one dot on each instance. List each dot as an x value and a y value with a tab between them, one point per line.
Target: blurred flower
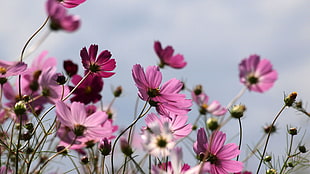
8	69
71	3
78	126
214	108
104	146
59	17
217	155
165	98
50	89
158	140
177	124
167	58
70	68
256	74
99	66
89	90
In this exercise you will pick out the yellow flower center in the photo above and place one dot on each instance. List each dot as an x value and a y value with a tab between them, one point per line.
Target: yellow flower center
88	89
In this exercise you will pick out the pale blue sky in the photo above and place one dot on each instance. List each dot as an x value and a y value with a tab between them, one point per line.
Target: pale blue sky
212	35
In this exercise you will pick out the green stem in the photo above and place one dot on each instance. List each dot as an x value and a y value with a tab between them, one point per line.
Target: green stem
288	155
268	137
240	135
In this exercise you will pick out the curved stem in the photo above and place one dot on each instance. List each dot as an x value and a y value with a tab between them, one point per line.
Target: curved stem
233	101
240	135
125	130
268	137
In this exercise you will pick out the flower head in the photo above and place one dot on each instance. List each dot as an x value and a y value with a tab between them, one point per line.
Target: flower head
158	140
257	74
165	98
167	58
70	68
59	17
177	124
79	126
99	66
214	108
88	91
217	155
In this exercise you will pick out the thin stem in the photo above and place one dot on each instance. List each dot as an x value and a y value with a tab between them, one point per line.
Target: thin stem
240	135
233	101
268	137
137	165
288	155
18	142
125	130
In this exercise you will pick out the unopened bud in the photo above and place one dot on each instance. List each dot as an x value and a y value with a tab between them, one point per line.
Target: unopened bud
292	131
271	171
104	146
302	149
84	160
20	108
62	150
212	124
290	99
198	90
61	79
237	111
118	91
125	147
270	129
267	158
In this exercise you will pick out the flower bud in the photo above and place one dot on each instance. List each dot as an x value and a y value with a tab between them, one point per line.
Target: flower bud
84	160
62	149
237	111
292	131
212	124
26	136
125	147
20	108
198	90
267	158
290	99
104	146
271	171
302	149
61	79
118	91
3	80
270	128
29	126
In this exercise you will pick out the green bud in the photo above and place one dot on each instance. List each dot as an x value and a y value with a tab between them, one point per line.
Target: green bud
290	99
302	149
84	160
271	171
118	91
292	131
267	158
20	108
212	124
237	111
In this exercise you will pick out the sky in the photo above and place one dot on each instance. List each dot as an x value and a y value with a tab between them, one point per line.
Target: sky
213	36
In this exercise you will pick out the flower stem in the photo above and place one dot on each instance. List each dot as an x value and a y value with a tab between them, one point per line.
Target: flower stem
268	137
240	135
288	155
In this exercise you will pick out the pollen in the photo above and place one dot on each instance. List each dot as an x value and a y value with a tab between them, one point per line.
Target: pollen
88	89
3	70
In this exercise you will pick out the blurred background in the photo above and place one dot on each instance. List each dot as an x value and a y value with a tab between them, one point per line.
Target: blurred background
213	36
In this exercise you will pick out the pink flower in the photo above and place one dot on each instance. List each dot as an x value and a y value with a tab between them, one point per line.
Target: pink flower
49	87
77	124
71	3
8	69
202	100
59	17
89	90
167	58
70	68
165	98
177	124
100	66
256	74
217	155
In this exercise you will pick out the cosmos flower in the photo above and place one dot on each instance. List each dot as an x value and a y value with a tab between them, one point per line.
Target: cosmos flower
99	66
59	17
257	74
8	69
158	140
77	124
218	157
167	58
71	3
214	108
165	98
49	87
70	68
89	90
177	124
